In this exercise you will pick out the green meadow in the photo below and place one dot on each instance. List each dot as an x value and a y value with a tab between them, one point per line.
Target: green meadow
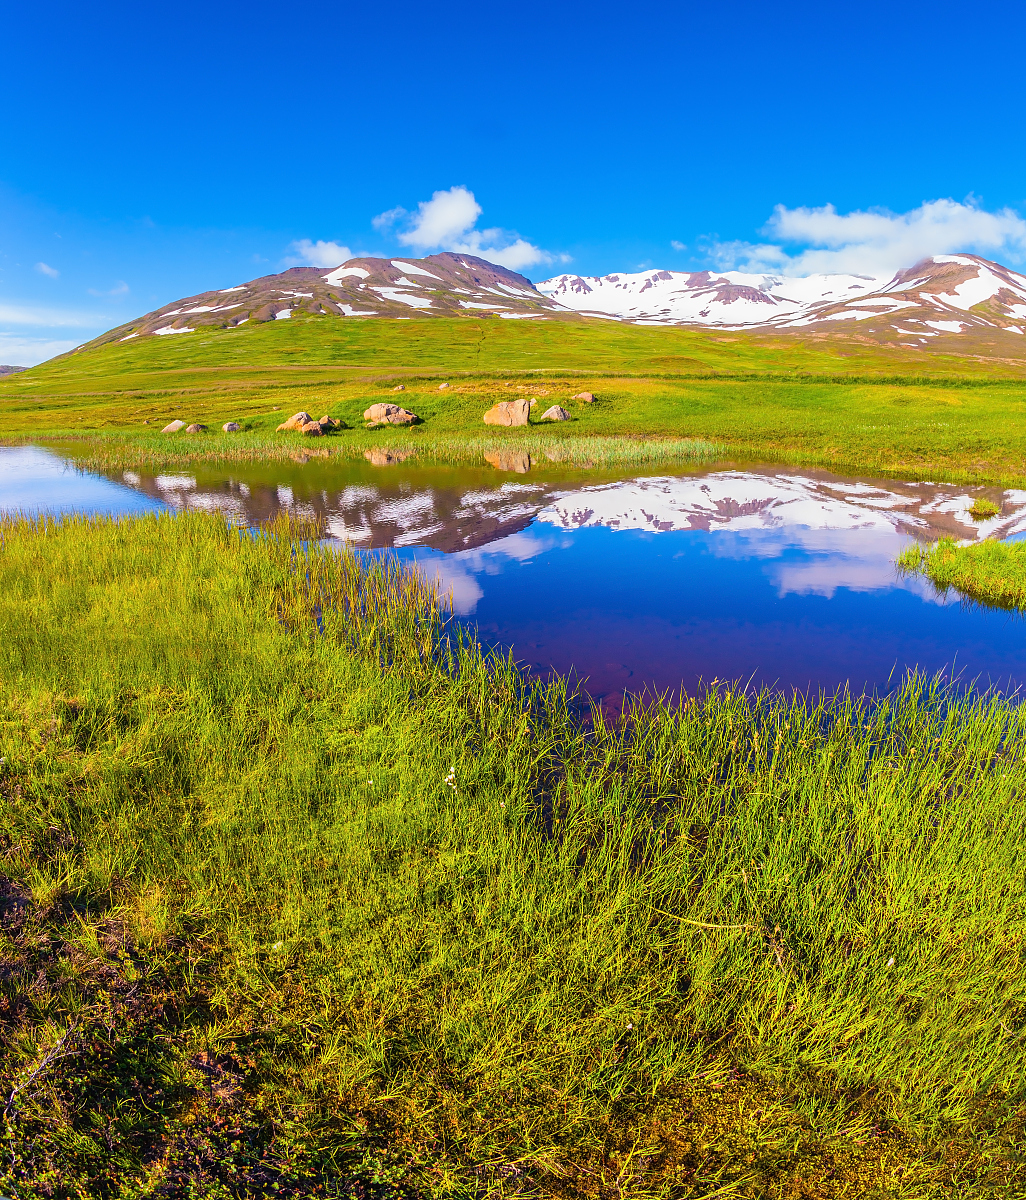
302	895
840	402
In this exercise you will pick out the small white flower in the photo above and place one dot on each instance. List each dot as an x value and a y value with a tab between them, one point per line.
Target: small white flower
277	945
890	962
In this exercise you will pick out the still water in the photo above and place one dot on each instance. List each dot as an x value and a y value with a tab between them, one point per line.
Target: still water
653	580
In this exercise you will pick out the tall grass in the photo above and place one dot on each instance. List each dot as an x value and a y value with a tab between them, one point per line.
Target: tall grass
118	452
324	898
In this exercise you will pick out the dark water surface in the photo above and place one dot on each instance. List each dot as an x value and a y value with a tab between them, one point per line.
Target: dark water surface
652	579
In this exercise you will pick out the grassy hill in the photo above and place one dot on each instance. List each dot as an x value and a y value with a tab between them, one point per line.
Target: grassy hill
823	399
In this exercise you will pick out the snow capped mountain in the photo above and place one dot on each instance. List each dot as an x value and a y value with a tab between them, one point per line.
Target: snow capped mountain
442	285
934	303
947	294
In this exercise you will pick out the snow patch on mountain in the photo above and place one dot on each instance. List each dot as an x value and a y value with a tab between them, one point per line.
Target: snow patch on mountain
734	299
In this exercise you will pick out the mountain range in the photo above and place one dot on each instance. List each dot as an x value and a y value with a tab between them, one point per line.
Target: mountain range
958	302
946	294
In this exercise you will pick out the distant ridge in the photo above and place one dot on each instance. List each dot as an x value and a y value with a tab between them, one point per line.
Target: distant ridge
11	370
954	303
940	296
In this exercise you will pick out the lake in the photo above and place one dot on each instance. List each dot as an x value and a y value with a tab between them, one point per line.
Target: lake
661	579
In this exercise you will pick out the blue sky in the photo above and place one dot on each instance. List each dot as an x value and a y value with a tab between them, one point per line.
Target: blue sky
150	152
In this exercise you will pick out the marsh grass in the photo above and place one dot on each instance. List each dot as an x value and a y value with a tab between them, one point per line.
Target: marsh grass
989	572
301	892
113	452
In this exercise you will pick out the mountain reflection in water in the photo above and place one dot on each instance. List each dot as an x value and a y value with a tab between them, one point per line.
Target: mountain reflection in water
658	581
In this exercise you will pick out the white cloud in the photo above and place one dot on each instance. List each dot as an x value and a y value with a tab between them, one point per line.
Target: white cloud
386	220
876	242
46	269
678	245
120	289
318	254
448	222
28	351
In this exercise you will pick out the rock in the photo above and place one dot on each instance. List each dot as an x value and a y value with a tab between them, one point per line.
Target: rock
400	388
173	427
587	397
442	387
510	460
196	429
389	414
231	427
378	412
534	401
385	458
508	412
327	423
312	429
296	421
555	413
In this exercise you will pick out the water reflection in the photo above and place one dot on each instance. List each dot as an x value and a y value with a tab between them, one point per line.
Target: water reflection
766	573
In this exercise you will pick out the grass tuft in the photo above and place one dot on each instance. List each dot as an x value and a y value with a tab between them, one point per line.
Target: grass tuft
982	509
989	572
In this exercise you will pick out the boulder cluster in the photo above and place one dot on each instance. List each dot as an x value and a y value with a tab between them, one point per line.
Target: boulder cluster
302	422
517	412
507	413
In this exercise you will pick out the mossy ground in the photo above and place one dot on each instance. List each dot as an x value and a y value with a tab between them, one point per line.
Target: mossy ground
301	897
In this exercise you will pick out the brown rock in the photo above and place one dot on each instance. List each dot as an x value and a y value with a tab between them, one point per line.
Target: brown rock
196	429
386	458
587	397
173	427
231	427
296	421
389	414
378	412
400	388
327	423
555	413
312	429
510	460
508	412
442	387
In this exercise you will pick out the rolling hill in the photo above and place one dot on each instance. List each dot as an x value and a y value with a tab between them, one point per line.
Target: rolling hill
443	285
